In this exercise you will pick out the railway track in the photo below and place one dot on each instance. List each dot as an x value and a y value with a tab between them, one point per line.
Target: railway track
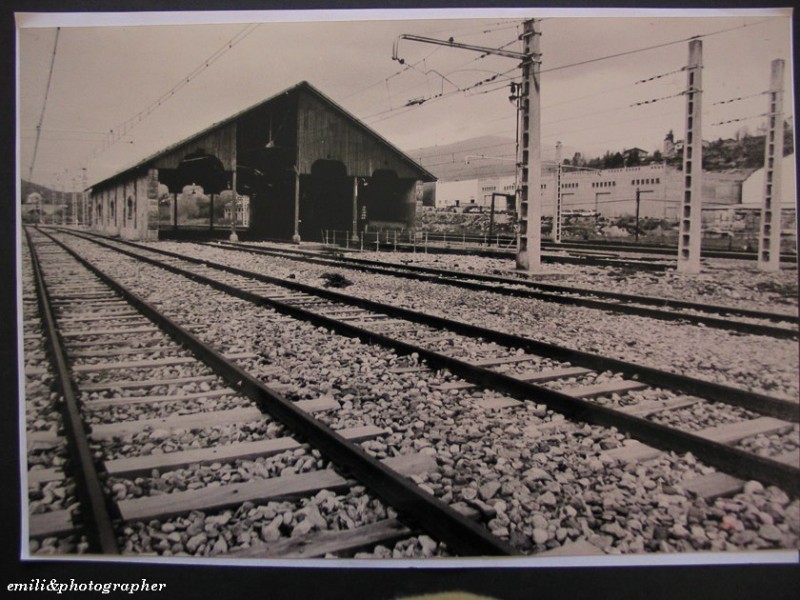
568	256
642	257
626	247
117	357
506	372
520	383
707	315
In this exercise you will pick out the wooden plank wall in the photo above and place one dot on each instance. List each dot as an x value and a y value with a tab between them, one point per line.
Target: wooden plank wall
219	142
325	134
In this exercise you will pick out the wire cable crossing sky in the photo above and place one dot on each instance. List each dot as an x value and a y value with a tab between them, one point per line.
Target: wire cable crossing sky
150	86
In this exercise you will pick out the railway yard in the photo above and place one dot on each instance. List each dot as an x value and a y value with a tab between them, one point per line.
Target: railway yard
262	400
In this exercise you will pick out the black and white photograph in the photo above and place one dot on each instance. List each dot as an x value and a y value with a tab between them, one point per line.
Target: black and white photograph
407	288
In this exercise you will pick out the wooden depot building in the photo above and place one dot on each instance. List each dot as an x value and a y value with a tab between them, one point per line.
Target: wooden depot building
298	162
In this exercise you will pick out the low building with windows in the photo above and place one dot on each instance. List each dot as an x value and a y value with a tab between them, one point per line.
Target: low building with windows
610	192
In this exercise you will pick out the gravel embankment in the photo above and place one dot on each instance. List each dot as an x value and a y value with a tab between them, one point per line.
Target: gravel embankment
43	416
756	363
727	282
548	480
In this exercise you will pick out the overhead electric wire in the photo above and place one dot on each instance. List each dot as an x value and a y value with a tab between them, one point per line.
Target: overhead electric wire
588	61
118	132
654	100
419	101
661	76
740	98
647	48
741	119
44	104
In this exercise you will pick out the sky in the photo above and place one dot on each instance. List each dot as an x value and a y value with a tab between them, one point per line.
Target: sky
108	69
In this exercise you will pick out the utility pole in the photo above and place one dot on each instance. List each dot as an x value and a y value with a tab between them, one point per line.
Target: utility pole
234	201
84	198
557	212
769	242
529	246
597	204
692	202
529	238
296	234
639	193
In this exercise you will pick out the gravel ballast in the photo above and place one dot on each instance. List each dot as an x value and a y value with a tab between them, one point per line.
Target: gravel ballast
545	488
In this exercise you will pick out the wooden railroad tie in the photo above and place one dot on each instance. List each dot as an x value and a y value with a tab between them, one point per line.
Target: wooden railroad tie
51	524
506	360
120	351
43	440
92	317
290	486
138	465
152	362
145	383
719	484
183	397
603	389
552	375
344	541
44	475
636	451
202	420
123	331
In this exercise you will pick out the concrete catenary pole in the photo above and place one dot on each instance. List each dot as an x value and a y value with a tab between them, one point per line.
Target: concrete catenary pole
529	251
557	212
769	242
690	218
529	236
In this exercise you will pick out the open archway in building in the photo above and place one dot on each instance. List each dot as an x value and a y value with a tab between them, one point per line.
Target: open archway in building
390	200
326	200
196	168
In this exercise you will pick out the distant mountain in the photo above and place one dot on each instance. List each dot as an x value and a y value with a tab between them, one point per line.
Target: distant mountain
27	188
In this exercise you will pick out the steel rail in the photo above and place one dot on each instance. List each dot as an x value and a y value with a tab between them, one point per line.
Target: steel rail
729	459
665	250
553	258
413	505
756	402
462	279
96	518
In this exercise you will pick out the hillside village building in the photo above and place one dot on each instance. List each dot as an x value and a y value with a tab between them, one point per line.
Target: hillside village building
613	192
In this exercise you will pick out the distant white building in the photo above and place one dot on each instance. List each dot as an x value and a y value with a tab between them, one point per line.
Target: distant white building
753	186
242	211
610	192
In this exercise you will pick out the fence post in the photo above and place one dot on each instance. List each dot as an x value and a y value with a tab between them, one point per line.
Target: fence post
426	242
395	241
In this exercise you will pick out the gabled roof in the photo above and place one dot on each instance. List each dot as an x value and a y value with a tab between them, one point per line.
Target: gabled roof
302	86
